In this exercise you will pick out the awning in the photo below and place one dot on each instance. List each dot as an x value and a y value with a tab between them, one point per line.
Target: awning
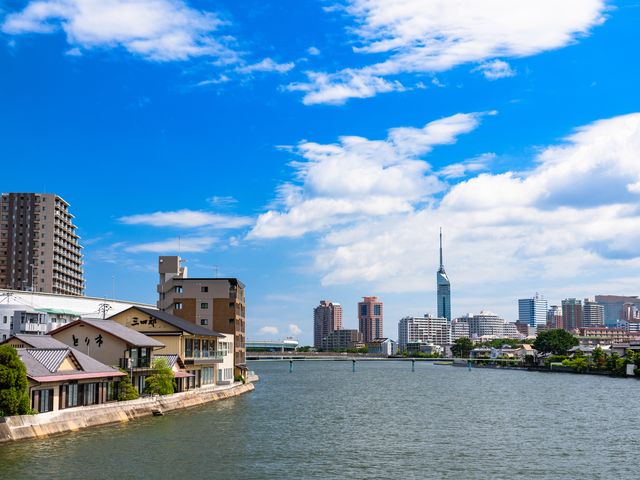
75	376
183	374
242	366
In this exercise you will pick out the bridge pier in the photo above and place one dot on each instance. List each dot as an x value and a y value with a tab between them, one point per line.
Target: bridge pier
353	365
290	366
413	365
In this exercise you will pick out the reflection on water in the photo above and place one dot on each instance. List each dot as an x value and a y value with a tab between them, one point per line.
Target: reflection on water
383	421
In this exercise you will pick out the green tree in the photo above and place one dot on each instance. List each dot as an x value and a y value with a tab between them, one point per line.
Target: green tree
556	341
126	391
462	347
161	382
14	386
599	358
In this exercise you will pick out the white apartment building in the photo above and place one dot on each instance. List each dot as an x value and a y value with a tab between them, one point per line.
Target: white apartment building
427	329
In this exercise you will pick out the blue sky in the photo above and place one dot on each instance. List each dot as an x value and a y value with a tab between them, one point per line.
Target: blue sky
313	149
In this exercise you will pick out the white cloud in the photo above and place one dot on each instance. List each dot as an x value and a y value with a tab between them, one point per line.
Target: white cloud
426	36
187	219
220	79
266	65
337	88
360	178
313	51
294	329
159	30
222	201
268	331
174	245
462	169
569	226
495	69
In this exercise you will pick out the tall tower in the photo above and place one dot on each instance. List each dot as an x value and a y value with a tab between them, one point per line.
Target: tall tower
370	317
444	289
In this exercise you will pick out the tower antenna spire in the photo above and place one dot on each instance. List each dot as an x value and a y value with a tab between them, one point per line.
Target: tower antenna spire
441	263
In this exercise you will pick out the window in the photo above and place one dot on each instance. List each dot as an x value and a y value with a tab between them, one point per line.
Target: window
205	348
44	400
177	306
204	305
204	289
363	310
178	288
377	309
204	321
188	347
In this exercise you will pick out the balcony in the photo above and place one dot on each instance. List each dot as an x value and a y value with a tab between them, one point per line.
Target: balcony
135	363
211	358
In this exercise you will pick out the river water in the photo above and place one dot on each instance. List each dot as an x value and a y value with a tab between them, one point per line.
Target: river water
383	421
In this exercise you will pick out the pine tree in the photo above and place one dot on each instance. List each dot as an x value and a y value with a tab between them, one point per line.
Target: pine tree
161	382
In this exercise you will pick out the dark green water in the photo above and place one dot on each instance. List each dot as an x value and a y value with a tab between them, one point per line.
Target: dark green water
383	421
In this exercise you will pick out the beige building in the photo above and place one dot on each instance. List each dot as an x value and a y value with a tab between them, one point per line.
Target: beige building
113	344
216	304
202	351
62	377
39	247
370	315
327	318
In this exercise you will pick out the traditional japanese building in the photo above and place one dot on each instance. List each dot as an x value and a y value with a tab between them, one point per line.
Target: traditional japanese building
207	355
113	344
63	377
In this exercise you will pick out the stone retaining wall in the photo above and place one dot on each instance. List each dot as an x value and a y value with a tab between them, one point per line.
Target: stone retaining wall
69	420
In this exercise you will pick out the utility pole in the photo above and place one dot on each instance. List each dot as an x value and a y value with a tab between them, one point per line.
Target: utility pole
104	308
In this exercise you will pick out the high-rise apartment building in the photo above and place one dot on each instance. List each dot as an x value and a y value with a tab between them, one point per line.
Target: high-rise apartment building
486	323
532	311
427	329
370	315
614	307
592	314
327	317
214	303
443	289
39	247
572	314
459	328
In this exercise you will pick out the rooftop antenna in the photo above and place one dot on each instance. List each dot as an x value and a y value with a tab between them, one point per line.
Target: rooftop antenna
178	245
216	268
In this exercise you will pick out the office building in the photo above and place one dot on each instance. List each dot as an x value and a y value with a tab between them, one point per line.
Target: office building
554	317
327	317
532	311
614	306
39	247
426	330
217	304
370	315
443	289
592	314
571	314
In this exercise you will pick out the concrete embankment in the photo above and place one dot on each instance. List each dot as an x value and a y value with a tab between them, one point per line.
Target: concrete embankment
72	419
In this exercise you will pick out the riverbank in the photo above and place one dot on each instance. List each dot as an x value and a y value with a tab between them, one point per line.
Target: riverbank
21	427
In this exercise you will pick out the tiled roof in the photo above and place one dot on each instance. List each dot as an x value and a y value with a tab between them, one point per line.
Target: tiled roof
179	322
129	335
39	341
50	358
171	359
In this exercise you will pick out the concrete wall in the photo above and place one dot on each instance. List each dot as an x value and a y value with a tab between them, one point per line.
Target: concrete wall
62	421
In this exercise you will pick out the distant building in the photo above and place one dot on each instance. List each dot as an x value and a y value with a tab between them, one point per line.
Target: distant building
572	314
370	317
532	311
341	340
216	304
592	314
327	317
39	248
554	317
382	346
486	324
443	289
427	330
613	307
286	345
459	328
605	336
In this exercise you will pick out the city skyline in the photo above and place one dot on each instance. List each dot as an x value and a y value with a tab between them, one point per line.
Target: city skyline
317	158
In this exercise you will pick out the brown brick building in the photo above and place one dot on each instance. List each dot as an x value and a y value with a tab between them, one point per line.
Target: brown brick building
214	303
